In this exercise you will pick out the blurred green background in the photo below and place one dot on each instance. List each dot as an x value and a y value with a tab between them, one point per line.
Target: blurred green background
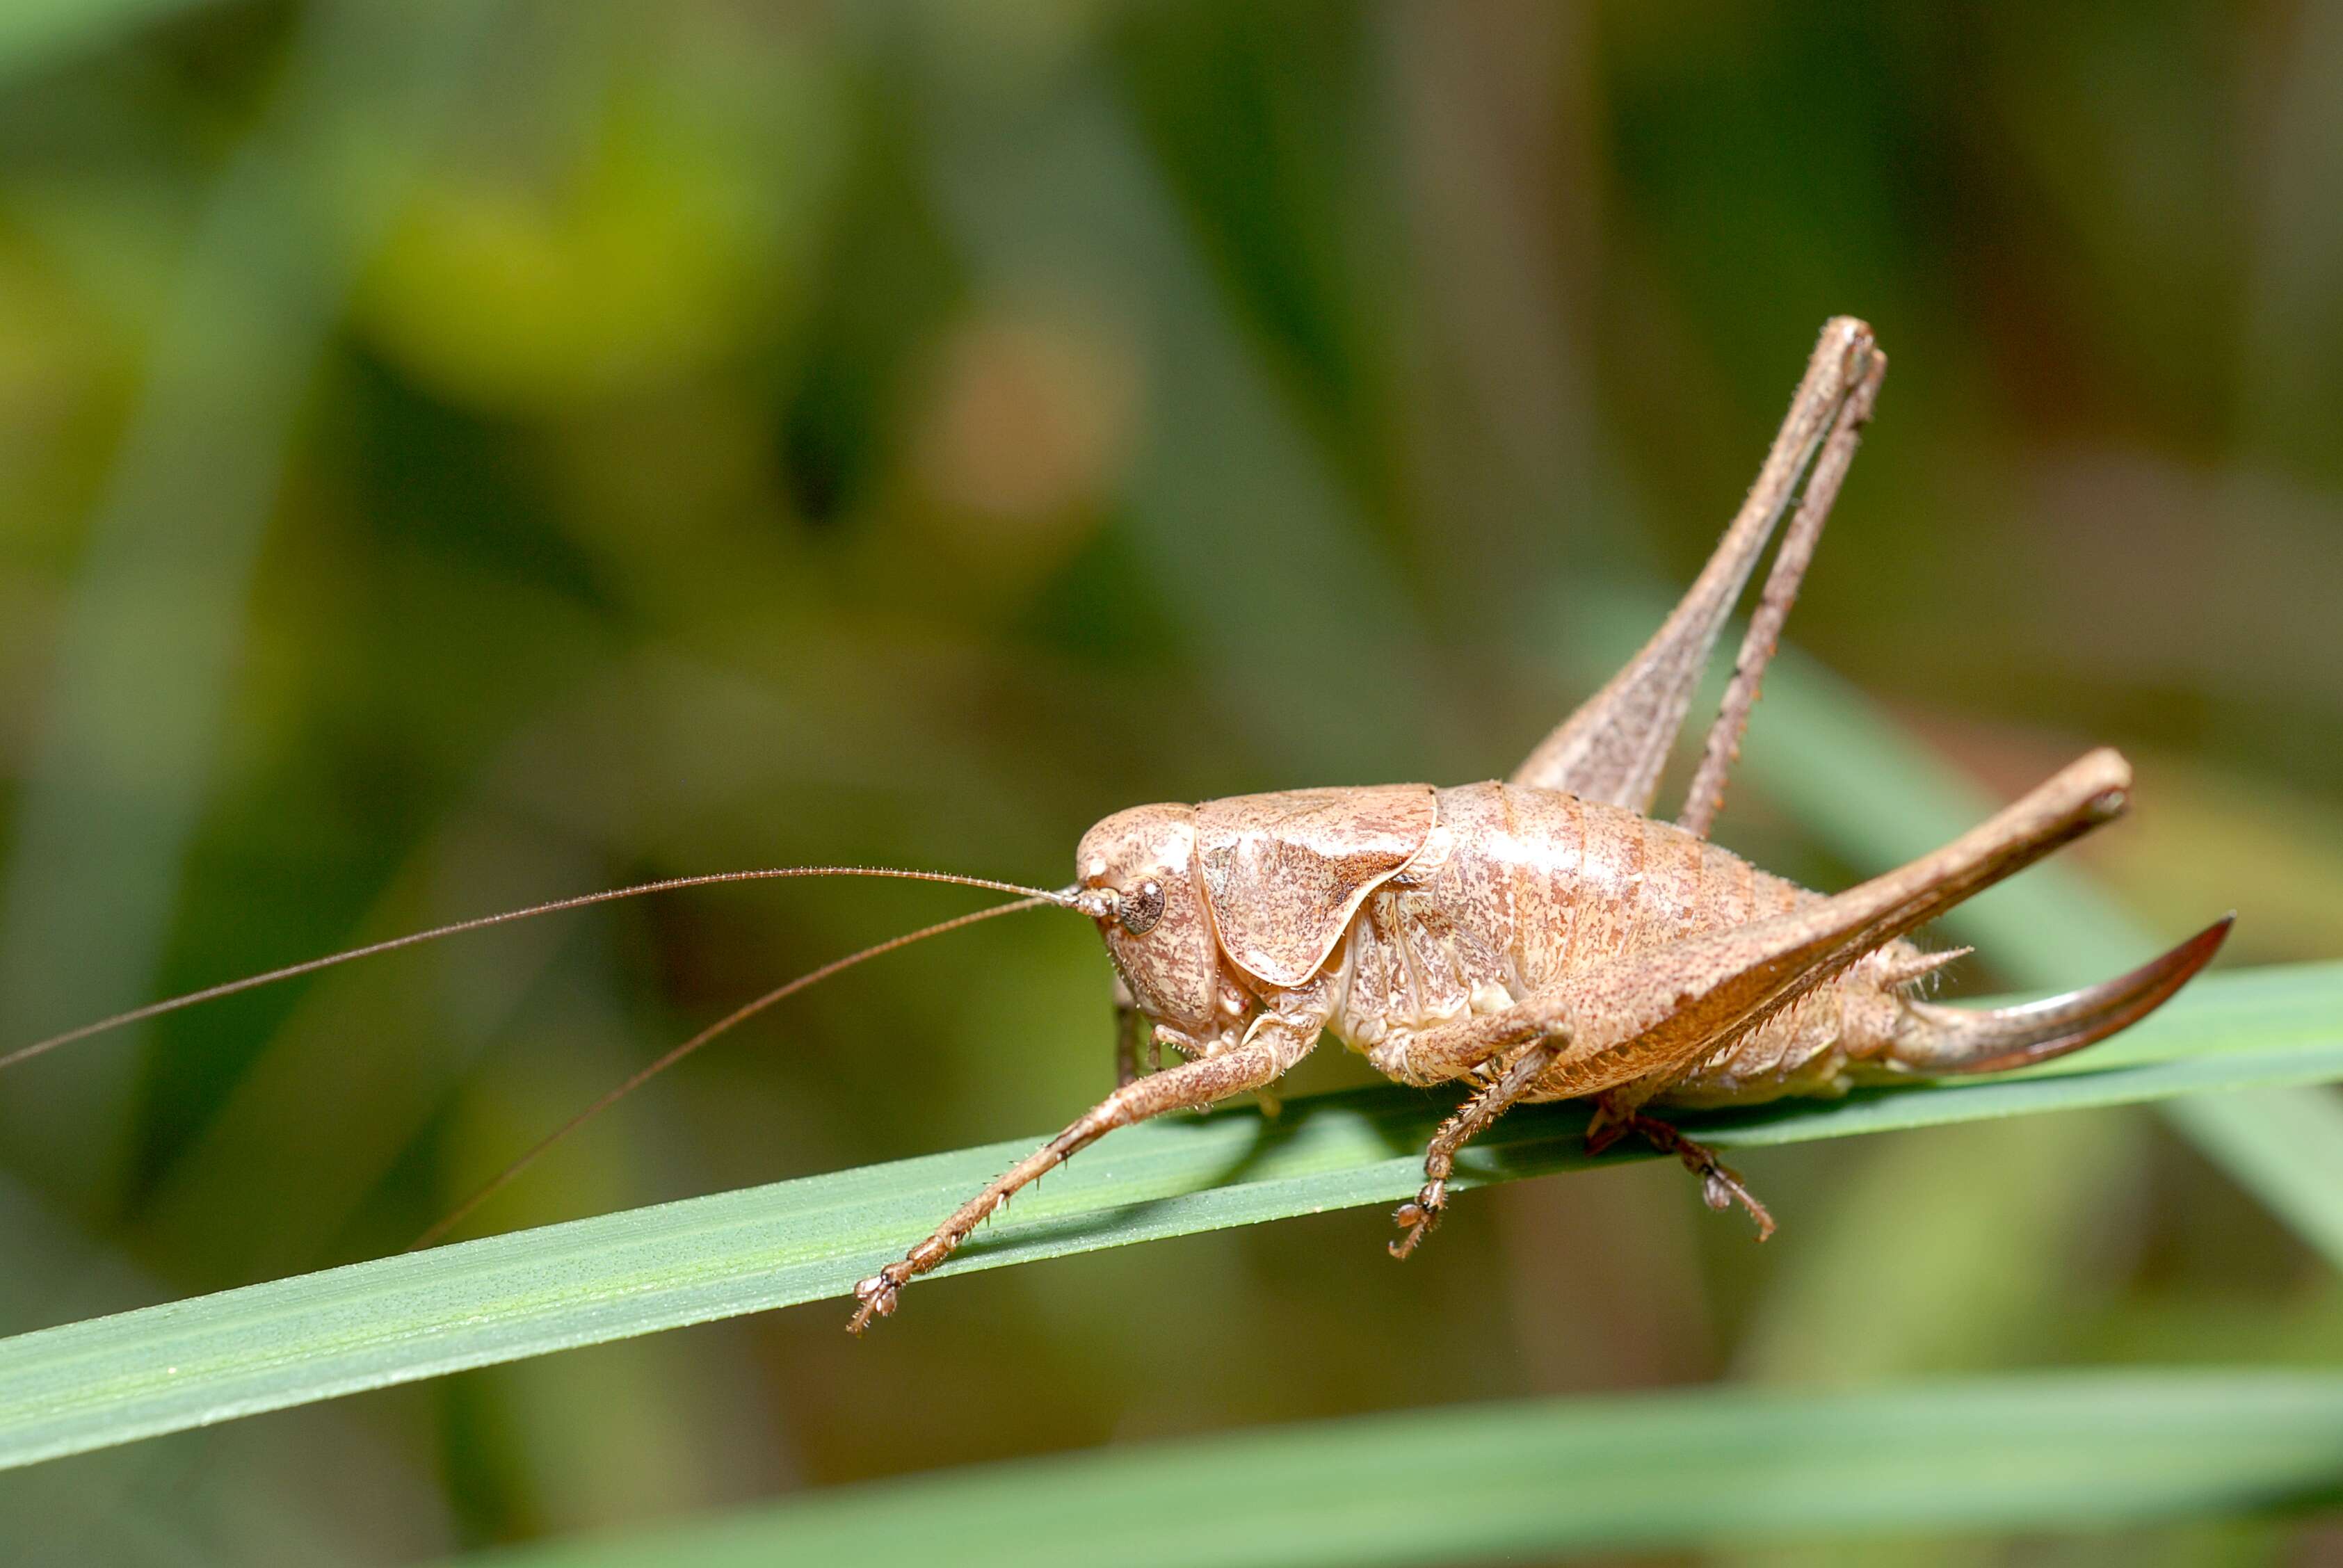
455	455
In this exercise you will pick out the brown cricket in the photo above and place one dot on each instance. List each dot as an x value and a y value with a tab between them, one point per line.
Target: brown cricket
1540	939
1543	938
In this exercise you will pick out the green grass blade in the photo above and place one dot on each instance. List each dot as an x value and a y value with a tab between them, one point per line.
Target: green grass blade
162	1369
2059	1453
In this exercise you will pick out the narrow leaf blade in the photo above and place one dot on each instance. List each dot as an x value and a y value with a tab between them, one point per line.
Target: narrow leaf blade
2061	1453
394	1320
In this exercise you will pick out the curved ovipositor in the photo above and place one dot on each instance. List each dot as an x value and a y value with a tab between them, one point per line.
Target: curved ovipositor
1940	1042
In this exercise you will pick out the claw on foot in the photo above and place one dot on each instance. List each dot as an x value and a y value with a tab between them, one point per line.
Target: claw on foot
1418	1217
877	1295
1721	1186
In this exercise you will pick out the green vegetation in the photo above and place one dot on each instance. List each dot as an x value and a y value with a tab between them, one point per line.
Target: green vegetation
460	453
2050	1455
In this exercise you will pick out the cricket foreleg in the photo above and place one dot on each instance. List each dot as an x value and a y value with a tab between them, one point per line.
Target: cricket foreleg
1185	1087
1417	1219
1721	1186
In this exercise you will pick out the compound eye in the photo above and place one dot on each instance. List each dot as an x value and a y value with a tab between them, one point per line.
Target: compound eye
1139	911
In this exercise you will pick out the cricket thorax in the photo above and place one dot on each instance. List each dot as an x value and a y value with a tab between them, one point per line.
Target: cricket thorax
1517	887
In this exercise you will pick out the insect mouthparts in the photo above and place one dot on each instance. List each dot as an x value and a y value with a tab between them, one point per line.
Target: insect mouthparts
1098	903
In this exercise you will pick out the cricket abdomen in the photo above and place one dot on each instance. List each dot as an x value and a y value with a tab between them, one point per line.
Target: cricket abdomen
1518	886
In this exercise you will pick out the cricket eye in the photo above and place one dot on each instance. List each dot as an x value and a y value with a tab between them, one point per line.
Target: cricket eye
1139	911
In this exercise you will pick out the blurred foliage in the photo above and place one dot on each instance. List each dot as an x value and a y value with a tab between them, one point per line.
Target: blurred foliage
1516	1482
456	454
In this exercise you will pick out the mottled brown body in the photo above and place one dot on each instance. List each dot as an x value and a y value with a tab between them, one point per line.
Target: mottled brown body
1517	887
1472	900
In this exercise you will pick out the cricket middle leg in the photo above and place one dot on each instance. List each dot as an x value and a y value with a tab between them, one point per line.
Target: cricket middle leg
1418	1217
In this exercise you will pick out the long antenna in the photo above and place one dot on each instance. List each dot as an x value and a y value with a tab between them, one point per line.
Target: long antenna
738	1015
1033	895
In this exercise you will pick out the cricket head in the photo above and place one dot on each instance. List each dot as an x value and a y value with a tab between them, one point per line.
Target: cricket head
1208	907
1139	882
